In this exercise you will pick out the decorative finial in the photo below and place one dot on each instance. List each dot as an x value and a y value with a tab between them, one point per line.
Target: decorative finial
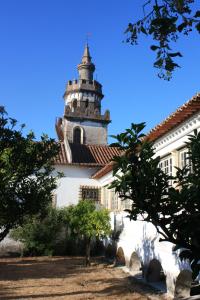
88	35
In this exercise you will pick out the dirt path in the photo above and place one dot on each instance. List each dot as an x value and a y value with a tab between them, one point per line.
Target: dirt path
67	278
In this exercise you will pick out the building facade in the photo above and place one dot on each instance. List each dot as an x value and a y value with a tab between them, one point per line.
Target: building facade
82	133
85	159
138	247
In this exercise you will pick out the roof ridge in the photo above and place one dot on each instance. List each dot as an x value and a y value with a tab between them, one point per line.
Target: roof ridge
94	145
100	146
195	98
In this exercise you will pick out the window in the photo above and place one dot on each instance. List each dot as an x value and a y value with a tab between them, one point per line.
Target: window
90	193
166	166
74	105
184	160
126	204
96	112
105	197
113	200
77	135
86	103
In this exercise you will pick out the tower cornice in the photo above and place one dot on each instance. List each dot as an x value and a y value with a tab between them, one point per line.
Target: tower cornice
84	86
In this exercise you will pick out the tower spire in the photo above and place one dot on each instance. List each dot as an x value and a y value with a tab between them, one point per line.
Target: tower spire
86	67
83	122
86	55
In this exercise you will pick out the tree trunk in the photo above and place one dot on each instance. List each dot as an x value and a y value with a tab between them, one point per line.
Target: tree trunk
87	251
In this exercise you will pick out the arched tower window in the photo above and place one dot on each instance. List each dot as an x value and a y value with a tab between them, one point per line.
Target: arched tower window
86	103
74	104
77	135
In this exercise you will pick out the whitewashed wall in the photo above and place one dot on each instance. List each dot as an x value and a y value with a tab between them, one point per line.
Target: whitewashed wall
141	237
68	188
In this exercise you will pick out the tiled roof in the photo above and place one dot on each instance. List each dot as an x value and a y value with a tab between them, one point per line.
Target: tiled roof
180	115
92	154
87	155
61	158
103	171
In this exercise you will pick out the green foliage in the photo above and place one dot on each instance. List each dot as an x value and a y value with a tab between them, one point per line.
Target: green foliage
85	220
174	210
64	231
165	21
26	182
88	222
42	235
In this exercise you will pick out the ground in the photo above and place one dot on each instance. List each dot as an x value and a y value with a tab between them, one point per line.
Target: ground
67	278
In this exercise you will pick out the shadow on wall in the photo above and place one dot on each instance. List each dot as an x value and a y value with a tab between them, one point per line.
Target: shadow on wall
183	284
145	263
120	258
154	271
136	266
146	250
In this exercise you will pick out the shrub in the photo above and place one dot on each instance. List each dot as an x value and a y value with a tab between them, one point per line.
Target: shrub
42	236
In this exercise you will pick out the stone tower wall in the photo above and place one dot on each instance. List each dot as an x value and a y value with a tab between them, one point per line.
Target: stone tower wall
93	132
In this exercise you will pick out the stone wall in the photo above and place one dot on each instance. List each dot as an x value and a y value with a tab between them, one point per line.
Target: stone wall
93	132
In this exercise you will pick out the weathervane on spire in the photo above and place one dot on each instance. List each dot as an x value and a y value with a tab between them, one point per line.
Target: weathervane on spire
88	35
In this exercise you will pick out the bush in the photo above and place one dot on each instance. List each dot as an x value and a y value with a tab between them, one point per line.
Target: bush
51	235
42	236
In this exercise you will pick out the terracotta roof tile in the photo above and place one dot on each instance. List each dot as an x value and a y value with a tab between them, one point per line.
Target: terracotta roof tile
180	115
87	155
93	154
61	158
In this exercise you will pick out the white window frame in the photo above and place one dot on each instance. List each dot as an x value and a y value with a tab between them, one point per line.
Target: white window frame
183	159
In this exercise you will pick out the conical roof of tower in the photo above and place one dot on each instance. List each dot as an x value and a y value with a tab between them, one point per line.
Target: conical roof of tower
86	55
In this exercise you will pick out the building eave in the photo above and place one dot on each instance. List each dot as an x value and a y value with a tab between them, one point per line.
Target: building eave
184	112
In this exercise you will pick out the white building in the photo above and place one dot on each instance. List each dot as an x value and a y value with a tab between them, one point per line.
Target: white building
82	132
85	161
139	246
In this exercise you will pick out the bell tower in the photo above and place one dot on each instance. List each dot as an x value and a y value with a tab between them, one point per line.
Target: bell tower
83	122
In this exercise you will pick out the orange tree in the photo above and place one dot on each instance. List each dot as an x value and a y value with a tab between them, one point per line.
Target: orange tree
173	209
88	221
26	180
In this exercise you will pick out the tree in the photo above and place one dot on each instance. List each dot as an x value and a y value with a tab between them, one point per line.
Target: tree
174	209
85	220
165	21
26	180
41	235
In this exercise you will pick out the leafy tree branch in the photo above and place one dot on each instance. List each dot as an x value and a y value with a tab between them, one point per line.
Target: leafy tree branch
26	180
171	204
165	21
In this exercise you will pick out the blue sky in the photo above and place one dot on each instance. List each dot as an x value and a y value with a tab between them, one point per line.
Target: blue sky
42	42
